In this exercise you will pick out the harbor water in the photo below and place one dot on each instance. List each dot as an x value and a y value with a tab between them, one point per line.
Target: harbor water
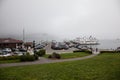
108	44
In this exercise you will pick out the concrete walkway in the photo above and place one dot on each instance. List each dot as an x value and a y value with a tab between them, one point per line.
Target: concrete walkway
43	60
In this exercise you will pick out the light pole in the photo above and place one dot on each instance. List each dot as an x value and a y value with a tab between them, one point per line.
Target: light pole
34	46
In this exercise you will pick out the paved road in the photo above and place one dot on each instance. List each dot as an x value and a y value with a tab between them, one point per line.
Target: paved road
43	60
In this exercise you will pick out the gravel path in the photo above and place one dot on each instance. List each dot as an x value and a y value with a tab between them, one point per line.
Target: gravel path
43	60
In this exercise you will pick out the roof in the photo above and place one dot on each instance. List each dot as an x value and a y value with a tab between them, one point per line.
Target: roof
10	40
29	43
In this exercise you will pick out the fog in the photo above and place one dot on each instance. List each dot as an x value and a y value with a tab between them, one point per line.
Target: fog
60	19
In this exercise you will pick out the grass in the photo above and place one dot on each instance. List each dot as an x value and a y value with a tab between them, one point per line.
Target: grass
102	67
71	55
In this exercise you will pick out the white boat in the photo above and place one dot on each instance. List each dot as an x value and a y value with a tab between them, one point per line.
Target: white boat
87	40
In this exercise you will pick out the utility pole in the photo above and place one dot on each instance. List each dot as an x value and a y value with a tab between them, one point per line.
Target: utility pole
23	35
23	39
34	46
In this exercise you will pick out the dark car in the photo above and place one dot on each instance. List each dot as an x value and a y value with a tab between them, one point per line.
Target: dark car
22	50
118	49
39	46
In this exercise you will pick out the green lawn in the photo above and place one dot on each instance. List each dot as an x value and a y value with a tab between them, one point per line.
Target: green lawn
102	67
71	55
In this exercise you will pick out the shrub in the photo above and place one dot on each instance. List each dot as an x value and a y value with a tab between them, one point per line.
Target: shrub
41	52
9	58
55	56
86	51
27	53
109	51
23	58
30	58
36	56
27	58
50	56
76	51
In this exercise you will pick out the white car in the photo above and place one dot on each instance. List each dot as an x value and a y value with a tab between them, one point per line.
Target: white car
18	53
5	54
7	50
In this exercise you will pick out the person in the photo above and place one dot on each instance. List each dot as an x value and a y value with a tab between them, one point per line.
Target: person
96	49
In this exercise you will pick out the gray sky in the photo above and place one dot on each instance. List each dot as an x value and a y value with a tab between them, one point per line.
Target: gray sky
61	18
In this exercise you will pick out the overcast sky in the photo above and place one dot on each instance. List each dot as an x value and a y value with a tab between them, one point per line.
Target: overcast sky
61	18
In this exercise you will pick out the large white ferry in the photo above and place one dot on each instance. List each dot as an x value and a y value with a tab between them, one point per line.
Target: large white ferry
86	40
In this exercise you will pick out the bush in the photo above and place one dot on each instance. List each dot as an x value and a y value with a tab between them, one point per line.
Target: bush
50	56
9	58
86	51
41	52
55	56
27	53
22	58
109	51
27	58
76	51
36	56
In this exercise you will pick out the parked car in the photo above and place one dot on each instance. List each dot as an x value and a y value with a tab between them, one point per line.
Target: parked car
18	53
39	46
0	51
76	45
22	50
82	47
59	46
5	54
7	50
64	46
118	49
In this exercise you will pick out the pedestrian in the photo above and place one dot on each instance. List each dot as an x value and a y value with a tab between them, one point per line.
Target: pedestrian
96	49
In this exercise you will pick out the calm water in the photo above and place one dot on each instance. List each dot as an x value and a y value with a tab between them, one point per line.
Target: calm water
109	44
